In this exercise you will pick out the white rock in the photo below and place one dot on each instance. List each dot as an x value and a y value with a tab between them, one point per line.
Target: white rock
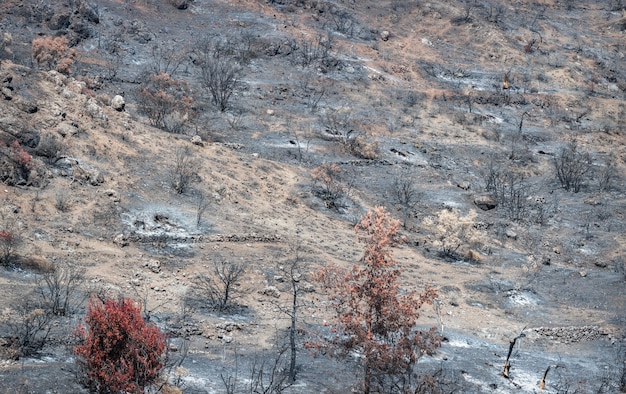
118	103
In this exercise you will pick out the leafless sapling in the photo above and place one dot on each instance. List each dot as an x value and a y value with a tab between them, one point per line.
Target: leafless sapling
219	72
183	170
60	288
202	204
220	286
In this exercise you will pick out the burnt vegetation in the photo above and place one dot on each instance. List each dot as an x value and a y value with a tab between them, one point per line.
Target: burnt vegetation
162	158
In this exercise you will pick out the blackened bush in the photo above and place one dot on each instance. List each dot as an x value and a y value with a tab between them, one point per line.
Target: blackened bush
572	166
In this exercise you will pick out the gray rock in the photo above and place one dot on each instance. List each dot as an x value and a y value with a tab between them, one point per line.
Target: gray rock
118	103
511	234
95	178
271	291
65	129
59	21
485	202
465	185
197	140
113	194
384	35
120	240
7	93
153	265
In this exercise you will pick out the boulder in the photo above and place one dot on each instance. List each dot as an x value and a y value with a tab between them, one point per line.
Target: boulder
153	265
271	291
59	21
95	178
197	140
180	4
113	194
7	93
120	240
118	103
65	129
384	35
88	12
511	234
485	202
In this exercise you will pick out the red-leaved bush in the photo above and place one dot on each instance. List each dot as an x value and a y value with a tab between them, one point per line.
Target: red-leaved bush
119	351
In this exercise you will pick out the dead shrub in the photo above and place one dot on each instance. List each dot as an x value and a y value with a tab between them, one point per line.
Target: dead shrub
10	234
166	102
59	288
219	71
183	171
29	326
328	184
572	166
62	201
452	231
53	53
220	286
16	164
509	190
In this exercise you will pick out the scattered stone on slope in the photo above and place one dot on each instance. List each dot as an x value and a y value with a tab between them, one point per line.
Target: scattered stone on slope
271	291
485	202
153	265
118	103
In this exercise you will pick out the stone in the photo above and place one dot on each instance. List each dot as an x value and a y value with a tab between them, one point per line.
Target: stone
65	129
271	291
95	178
7	93
511	234
88	12
427	42
384	35
485	202
465	185
153	265
120	240
59	21
118	103
113	194
197	140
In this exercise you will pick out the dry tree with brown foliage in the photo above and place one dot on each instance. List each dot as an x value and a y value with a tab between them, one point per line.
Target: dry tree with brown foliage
53	53
374	316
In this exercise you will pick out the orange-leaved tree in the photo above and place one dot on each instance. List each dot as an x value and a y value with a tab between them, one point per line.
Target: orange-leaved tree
375	318
119	352
53	53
